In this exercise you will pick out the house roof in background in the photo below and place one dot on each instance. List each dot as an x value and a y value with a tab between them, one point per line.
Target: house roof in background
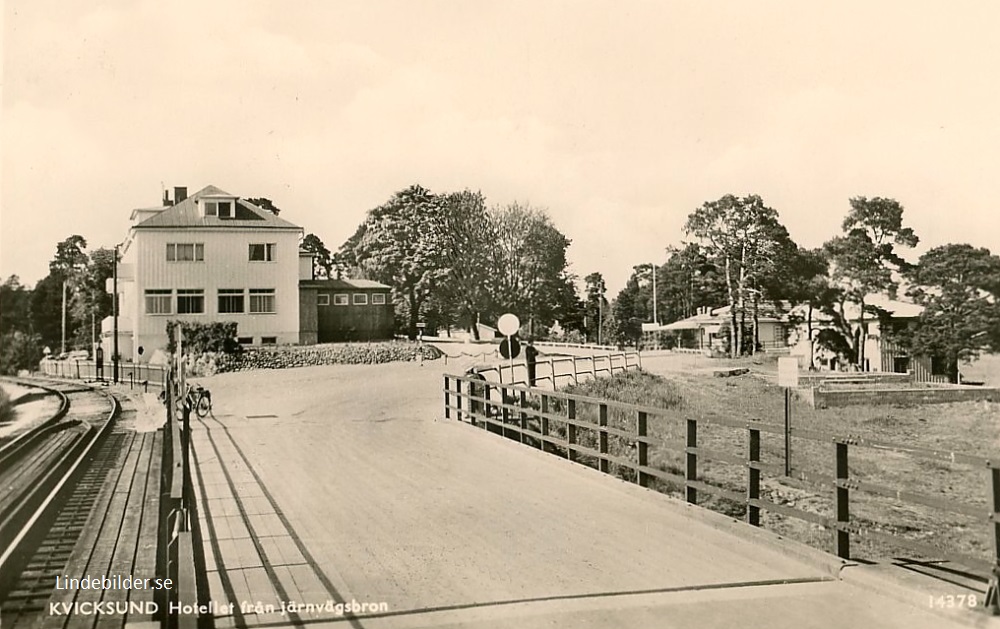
186	215
344	284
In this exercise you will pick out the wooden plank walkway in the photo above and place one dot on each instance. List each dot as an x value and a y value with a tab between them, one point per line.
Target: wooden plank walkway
119	538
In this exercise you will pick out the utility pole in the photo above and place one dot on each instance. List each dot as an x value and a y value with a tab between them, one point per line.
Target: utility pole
62	345
655	320
114	310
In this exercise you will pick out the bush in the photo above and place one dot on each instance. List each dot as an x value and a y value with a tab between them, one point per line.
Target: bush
6	408
215	337
19	350
632	387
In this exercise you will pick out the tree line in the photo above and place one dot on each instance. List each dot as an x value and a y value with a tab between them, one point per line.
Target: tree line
452	261
740	255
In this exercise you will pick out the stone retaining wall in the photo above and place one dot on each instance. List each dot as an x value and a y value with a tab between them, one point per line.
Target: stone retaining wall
830	398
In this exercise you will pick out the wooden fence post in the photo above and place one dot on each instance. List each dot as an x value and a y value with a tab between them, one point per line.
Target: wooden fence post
544	424
570	430
691	468
753	477
576	378
487	407
524	415
992	602
552	371
447	398
643	450
843	539
602	421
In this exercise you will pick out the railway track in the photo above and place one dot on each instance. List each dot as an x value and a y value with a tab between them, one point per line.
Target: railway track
50	477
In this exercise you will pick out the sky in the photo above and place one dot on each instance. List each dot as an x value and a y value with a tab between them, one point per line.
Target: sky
619	118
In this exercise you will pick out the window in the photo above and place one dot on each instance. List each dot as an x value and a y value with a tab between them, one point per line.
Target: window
245	340
222	209
159	301
323	299
262	252
378	299
231	300
360	299
262	300
190	301
268	340
341	300
185	252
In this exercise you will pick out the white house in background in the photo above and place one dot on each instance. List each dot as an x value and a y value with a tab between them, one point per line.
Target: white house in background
207	257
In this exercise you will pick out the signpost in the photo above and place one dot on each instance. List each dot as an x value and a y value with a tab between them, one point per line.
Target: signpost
509	324
788	377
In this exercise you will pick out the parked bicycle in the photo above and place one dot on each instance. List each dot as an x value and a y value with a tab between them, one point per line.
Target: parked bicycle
198	399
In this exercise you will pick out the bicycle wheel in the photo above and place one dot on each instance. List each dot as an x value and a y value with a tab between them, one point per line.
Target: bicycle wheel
204	406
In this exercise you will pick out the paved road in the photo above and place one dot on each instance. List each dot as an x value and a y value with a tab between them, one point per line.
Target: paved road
352	487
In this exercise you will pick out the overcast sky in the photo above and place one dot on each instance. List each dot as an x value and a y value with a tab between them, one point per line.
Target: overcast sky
620	118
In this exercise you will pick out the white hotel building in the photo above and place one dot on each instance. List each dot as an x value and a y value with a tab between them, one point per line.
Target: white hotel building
207	257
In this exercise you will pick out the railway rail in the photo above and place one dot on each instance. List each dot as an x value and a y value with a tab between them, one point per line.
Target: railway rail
50	477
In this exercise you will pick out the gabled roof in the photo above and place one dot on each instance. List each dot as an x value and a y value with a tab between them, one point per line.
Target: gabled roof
186	214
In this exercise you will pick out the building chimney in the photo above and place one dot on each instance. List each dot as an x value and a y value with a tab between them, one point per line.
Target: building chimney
180	193
166	198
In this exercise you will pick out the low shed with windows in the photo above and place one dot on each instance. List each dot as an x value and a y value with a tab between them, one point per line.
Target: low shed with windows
344	310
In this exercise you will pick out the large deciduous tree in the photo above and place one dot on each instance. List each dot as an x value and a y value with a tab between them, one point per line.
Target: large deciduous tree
863	261
959	287
467	234
742	236
400	244
528	264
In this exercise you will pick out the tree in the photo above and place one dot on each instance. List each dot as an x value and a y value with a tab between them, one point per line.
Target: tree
742	236
15	306
959	287
265	204
528	263
19	350
597	307
90	302
400	244
863	260
467	234
323	264
800	278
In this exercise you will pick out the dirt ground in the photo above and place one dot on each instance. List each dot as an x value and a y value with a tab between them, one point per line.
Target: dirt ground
971	428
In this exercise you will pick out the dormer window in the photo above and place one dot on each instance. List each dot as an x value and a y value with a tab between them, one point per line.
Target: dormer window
219	207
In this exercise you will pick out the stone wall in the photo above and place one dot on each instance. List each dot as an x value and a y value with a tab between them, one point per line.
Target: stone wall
830	398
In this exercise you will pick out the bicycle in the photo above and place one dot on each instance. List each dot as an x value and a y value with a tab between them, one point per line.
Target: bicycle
198	399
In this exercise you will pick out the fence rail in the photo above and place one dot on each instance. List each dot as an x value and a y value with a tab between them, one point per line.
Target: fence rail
571	369
577	427
128	373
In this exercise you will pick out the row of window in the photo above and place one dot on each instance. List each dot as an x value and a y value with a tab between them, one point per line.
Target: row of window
192	301
195	252
343	299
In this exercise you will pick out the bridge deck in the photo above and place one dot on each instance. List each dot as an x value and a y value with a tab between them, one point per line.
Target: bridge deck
338	484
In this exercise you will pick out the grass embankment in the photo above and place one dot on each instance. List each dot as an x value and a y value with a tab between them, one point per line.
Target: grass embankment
6	407
971	428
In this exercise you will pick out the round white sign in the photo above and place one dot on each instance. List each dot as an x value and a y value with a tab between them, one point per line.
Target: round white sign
508	324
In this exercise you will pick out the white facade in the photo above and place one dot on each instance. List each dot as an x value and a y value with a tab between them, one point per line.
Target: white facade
185	267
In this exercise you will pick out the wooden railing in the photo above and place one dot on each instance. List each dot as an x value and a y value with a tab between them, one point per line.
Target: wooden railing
571	369
579	429
182	557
